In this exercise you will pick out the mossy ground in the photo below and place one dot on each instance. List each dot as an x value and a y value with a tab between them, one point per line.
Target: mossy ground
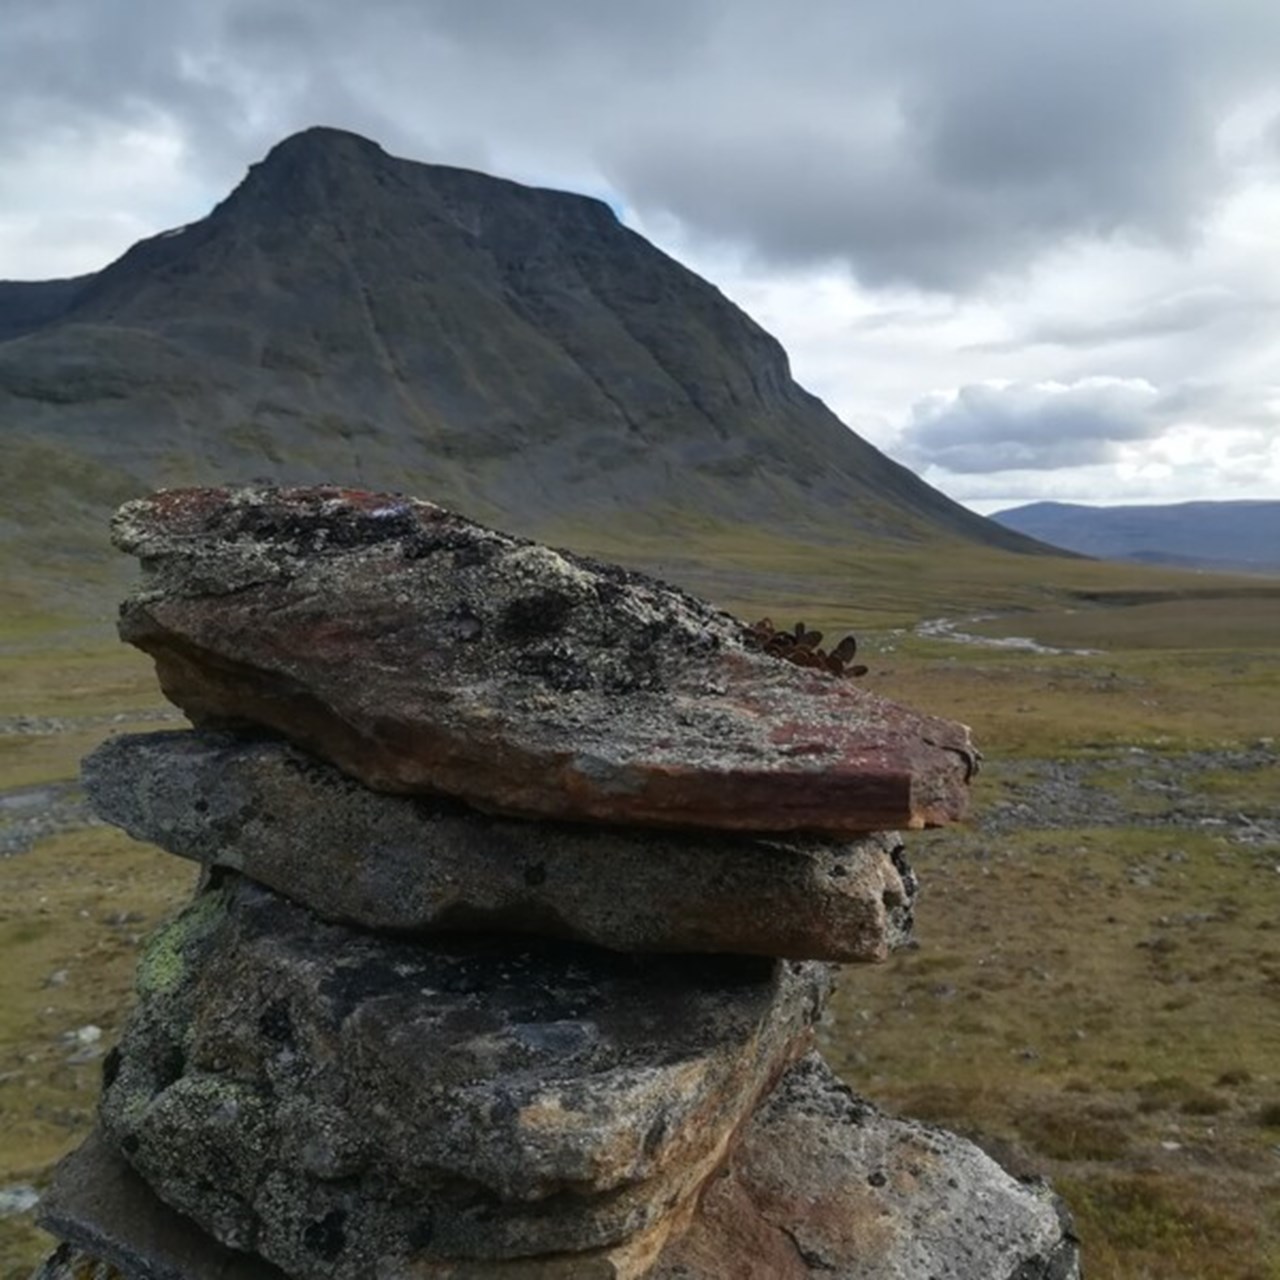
1097	1003
73	914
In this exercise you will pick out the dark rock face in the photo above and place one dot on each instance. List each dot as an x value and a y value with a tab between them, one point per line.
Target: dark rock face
823	1184
340	1102
420	652
429	863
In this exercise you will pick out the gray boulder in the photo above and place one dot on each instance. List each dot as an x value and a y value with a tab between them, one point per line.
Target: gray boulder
820	1185
825	1185
114	1227
430	863
329	1098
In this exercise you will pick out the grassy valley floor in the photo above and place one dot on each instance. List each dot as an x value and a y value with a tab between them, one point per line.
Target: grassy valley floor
1095	993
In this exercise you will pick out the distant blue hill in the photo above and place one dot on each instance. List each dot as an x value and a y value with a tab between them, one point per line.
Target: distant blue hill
1206	535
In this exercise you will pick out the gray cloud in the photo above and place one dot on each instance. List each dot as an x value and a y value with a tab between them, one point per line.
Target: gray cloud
935	145
938	145
1185	312
71	67
1031	427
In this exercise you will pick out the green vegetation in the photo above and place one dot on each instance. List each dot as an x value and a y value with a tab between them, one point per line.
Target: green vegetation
1096	1004
1094	1000
43	677
73	915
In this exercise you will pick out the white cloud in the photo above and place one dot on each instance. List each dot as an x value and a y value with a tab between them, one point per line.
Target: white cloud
73	198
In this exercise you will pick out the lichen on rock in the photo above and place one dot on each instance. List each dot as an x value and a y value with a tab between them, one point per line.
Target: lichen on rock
418	651
520	1097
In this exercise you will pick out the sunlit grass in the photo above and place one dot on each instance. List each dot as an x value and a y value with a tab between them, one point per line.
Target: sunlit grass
72	912
1098	1005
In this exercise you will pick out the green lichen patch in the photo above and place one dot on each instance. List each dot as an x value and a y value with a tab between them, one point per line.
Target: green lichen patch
163	964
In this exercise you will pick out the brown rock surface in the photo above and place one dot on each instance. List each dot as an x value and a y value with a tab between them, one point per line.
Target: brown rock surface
431	863
329	1097
419	651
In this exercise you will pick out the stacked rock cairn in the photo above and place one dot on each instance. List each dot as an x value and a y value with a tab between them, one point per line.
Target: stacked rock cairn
521	880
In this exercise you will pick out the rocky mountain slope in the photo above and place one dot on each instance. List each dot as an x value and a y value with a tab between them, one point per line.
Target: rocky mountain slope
1208	535
513	352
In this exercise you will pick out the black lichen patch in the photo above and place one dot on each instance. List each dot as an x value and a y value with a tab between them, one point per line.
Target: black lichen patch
306	532
327	1238
170	1066
536	616
646	638
910	881
476	554
423	542
643	675
347	987
276	1024
110	1068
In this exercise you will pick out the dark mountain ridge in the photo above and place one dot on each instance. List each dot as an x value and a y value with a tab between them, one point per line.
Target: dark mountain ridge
26	305
1239	535
514	352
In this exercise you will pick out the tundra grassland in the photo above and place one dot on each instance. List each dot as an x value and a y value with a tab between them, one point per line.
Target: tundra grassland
1095	990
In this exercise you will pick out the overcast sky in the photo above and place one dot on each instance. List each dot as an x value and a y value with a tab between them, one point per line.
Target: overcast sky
1030	249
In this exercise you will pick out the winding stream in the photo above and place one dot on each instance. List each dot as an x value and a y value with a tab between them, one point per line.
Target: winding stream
948	629
31	813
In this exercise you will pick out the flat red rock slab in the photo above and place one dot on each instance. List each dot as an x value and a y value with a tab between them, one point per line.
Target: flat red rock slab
419	651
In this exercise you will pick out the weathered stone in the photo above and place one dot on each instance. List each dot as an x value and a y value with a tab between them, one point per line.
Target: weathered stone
820	1184
430	863
823	1184
116	1228
104	1211
330	1097
419	651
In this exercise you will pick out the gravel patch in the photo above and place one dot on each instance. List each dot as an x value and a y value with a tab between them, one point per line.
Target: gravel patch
1133	787
28	814
45	725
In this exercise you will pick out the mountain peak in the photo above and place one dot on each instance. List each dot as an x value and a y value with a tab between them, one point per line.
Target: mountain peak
305	164
327	172
514	351
321	142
